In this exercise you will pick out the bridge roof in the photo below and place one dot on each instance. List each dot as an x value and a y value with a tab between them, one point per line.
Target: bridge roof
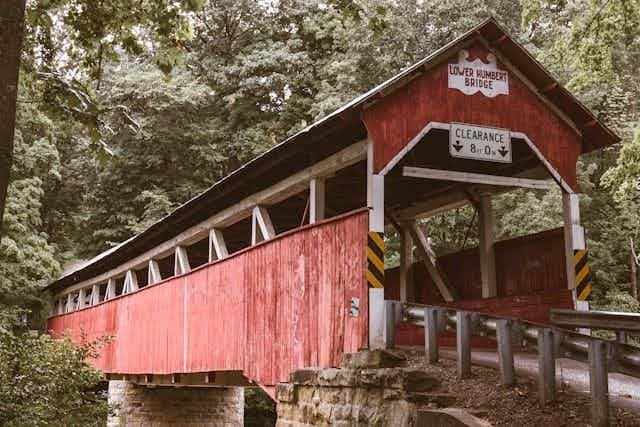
328	135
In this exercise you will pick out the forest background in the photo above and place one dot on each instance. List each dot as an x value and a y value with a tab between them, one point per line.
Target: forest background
128	108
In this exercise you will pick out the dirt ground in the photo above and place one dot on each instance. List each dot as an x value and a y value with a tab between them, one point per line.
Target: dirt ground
483	396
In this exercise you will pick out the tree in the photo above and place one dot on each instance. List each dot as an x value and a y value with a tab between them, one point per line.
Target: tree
11	26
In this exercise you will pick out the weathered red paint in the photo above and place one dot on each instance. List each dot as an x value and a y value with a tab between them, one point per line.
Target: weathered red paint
394	120
530	273
265	311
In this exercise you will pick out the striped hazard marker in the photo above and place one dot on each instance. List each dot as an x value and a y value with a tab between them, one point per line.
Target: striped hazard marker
375	259
583	274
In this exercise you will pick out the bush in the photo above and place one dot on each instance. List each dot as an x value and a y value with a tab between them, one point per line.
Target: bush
48	382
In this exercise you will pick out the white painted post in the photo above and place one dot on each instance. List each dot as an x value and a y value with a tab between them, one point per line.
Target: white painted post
487	252
95	295
82	298
375	203
181	265
110	292
573	237
317	193
406	261
70	304
60	305
130	282
153	274
261	225
217	245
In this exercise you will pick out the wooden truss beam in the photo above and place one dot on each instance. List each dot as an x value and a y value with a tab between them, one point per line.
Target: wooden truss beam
282	190
261	225
423	247
217	245
477	178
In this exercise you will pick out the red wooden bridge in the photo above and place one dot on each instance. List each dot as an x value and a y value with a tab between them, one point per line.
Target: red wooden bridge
280	265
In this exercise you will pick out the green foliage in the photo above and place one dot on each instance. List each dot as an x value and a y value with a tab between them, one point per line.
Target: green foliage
47	382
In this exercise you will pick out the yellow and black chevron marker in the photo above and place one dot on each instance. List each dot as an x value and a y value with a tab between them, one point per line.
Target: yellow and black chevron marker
375	259
583	274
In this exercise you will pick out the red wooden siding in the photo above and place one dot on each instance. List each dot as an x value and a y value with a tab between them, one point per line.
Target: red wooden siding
396	119
267	310
530	273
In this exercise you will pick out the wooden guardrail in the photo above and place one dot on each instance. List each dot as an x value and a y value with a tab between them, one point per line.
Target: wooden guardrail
551	342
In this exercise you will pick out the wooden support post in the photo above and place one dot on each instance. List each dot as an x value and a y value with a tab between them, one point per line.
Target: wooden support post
573	236
317	195
463	344
130	282
181	264
621	337
217	245
154	275
70	306
546	367
261	225
95	295
422	245
487	252
599	383
110	292
389	323
82	298
406	261
375	203
431	334
505	352
60	306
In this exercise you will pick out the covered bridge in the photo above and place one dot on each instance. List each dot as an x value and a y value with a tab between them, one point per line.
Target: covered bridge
280	265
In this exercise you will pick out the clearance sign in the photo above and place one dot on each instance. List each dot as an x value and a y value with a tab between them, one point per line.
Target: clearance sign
470	77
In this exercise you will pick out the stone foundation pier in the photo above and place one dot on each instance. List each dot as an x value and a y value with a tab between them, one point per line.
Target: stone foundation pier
138	405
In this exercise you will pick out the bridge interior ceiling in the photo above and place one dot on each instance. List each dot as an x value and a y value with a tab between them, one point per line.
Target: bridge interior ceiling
432	152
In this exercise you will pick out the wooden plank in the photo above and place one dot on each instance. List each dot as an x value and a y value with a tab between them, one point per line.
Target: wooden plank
317	193
477	178
487	251
249	312
599	383
217	245
181	261
406	261
153	274
261	225
422	245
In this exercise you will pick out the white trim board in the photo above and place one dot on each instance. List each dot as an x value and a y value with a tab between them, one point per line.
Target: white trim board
447	126
477	178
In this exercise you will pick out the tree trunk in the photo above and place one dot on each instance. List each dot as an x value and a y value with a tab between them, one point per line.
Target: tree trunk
11	27
634	276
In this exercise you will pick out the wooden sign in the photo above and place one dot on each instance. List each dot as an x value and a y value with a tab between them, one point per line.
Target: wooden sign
471	77
480	143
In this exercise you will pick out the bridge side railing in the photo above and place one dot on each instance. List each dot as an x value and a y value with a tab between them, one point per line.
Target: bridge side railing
550	342
623	324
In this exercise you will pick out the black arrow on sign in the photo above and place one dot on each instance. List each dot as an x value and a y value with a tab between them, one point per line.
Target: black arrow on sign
457	146
503	151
